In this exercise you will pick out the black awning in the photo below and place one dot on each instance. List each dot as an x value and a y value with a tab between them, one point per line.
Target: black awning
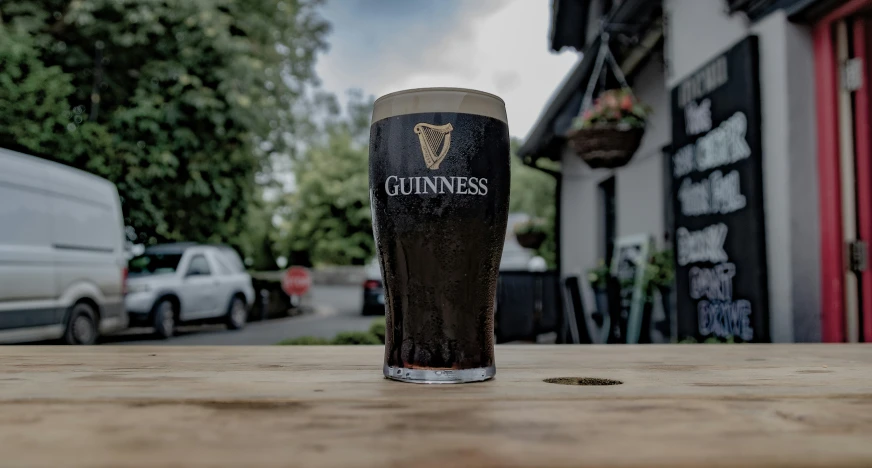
757	9
569	24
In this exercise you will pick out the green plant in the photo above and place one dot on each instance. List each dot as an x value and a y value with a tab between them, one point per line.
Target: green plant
532	226
378	329
328	215
305	341
186	106
614	107
343	338
599	275
356	338
660	270
532	193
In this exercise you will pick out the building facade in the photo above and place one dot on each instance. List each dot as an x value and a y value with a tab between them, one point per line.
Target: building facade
755	166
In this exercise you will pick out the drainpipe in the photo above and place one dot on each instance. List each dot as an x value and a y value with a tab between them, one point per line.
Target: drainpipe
558	177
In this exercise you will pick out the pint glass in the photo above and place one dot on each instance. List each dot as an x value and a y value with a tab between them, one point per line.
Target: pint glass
439	192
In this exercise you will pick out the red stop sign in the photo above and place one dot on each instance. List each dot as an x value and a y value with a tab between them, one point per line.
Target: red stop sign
296	281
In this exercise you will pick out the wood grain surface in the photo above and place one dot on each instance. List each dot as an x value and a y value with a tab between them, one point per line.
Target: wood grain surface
679	405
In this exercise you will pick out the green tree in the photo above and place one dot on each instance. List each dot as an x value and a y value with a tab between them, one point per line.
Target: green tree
257	243
533	193
329	212
181	103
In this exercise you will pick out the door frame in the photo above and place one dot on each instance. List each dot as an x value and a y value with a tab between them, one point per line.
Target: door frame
827	88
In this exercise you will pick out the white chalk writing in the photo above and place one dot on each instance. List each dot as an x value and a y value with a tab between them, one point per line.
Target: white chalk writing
698	117
723	145
710	78
725	318
694	198
705	245
712	283
682	161
726	192
717	193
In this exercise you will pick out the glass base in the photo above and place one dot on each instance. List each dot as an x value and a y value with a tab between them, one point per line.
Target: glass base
448	376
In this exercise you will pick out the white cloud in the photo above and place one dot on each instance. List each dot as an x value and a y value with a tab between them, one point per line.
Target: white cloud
499	50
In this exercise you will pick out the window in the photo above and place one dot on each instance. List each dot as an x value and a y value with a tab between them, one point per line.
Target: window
199	266
229	258
154	264
668	213
223	269
607	219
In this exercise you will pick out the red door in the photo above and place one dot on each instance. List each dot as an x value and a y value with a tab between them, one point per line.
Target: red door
843	54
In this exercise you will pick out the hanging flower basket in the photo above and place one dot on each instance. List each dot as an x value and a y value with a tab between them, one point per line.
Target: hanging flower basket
531	234
606	147
531	240
608	134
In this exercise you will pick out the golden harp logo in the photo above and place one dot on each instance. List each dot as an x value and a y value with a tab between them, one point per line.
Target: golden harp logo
435	141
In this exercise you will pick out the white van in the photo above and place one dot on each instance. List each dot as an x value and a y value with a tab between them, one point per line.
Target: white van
62	262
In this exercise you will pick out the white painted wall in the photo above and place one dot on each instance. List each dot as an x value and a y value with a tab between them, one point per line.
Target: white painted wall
701	30
639	191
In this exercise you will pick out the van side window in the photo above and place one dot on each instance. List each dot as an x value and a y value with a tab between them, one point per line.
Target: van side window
223	269
199	266
230	258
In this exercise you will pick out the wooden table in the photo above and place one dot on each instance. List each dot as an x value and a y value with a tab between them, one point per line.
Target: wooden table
679	405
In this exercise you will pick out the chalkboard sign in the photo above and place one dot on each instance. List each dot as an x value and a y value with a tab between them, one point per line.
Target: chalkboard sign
717	196
628	267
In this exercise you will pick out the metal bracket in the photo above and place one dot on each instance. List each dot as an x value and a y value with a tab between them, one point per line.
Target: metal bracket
858	256
603	55
852	74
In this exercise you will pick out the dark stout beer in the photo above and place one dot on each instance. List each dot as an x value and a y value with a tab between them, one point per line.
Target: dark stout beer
439	188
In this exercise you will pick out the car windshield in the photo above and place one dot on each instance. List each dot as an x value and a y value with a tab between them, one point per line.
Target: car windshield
154	264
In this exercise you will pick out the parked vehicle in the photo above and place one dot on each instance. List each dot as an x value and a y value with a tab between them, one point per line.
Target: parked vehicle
62	264
180	283
373	290
514	258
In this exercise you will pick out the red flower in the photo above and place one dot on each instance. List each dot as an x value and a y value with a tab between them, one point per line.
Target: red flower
627	103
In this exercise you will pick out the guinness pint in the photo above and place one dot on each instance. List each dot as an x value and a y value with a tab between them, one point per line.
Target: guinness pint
439	190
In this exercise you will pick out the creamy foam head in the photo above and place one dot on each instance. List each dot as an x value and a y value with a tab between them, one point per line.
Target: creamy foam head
415	101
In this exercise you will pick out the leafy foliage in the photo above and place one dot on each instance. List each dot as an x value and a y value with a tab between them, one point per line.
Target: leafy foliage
598	276
356	338
533	193
378	328
660	269
375	335
180	103
329	213
258	240
614	107
533	226
305	341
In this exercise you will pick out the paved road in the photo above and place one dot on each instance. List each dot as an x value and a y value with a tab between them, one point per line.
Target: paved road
337	309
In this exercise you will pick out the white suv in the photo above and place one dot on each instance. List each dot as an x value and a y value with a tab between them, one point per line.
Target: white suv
187	283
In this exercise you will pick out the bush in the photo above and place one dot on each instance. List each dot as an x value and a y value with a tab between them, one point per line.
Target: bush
375	335
356	338
305	341
378	329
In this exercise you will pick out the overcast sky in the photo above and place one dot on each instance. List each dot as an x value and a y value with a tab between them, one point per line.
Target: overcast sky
499	46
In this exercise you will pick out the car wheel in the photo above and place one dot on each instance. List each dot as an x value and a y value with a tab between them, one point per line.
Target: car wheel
237	316
164	319
82	326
